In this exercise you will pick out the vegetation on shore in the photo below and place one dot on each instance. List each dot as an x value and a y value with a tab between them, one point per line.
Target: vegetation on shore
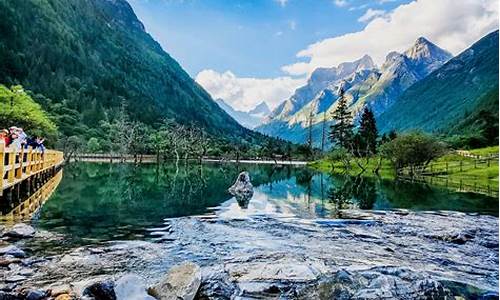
17	108
469	170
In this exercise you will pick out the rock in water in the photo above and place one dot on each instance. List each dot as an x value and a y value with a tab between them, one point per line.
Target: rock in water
131	287
12	250
181	282
101	290
242	189
20	230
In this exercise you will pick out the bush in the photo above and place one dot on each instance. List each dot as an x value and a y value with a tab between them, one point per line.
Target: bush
413	150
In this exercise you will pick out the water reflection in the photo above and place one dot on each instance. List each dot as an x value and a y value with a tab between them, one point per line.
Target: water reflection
120	201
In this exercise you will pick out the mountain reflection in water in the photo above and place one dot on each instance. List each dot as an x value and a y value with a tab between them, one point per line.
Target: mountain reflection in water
120	201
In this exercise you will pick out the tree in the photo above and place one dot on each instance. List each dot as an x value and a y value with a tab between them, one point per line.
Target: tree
341	131
368	132
93	145
414	150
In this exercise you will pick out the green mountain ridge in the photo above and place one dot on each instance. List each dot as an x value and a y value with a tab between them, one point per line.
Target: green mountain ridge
449	100
87	58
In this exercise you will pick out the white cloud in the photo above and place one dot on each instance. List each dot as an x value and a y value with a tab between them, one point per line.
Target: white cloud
341	3
452	25
282	3
371	14
245	93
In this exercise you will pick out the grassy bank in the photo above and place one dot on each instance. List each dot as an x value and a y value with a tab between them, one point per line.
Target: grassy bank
456	168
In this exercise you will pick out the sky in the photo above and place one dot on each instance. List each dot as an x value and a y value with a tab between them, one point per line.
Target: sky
248	51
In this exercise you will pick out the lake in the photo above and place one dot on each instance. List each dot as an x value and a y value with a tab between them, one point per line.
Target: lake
102	201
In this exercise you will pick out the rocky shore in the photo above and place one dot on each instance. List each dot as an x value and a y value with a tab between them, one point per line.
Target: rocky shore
368	255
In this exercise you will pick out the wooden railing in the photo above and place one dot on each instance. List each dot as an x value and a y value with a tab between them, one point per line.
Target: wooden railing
17	165
26	208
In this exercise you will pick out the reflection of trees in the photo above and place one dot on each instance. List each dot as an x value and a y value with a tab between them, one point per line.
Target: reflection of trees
349	192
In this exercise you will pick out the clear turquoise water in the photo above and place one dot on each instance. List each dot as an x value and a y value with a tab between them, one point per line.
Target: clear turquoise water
100	201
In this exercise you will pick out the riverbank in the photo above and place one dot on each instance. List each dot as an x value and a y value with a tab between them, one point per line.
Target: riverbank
364	256
152	159
479	168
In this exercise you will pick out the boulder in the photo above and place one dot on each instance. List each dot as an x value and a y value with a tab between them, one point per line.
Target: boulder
242	189
13	251
36	295
101	290
181	282
9	296
20	231
64	297
131	287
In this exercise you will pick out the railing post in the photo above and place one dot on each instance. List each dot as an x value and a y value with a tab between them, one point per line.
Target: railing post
2	164
12	165
28	161
19	170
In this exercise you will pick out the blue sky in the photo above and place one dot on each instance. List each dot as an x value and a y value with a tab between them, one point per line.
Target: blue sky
248	51
250	38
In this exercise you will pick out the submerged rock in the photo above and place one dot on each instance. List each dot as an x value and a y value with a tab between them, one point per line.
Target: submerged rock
181	282
20	230
101	290
242	189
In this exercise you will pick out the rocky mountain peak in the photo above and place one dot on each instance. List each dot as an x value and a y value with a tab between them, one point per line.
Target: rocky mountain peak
262	109
424	49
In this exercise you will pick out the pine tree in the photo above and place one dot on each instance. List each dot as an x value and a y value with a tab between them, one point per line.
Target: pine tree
368	131
341	131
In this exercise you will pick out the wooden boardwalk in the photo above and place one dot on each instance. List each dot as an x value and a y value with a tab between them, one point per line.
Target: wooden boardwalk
17	166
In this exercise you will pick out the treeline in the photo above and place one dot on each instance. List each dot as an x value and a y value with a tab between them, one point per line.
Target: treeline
359	144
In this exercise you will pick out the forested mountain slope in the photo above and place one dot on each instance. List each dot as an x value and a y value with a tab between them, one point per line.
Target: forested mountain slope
85	59
450	95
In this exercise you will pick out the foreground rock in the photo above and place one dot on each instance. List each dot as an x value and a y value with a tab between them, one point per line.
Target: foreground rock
131	287
403	255
181	282
20	231
101	290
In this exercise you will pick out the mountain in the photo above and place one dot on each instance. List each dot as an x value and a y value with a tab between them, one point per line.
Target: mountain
364	85
83	60
400	71
249	119
449	99
261	110
319	80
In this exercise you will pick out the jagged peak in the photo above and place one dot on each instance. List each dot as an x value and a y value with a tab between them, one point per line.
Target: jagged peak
423	48
261	108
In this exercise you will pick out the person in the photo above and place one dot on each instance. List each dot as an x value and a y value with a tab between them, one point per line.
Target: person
18	137
5	137
39	142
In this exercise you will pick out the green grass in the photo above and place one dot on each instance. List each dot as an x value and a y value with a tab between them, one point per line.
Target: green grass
456	168
386	170
488	151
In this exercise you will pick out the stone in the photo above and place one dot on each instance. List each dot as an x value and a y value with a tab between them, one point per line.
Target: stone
20	231
4	262
101	290
242	189
64	297
36	295
13	251
131	287
15	278
56	290
9	296
181	282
